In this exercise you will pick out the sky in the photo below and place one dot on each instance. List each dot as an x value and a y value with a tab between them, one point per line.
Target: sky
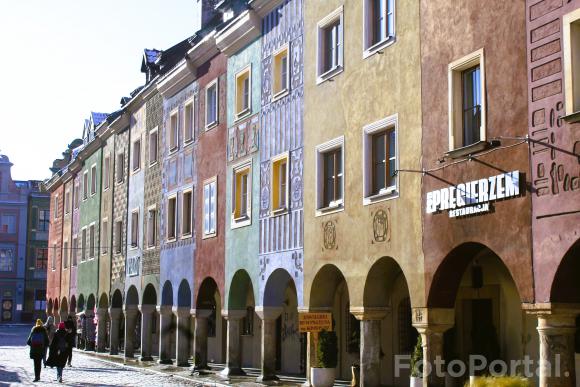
62	59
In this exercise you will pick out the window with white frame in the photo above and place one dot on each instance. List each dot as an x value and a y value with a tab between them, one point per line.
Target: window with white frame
118	236
571	34
105	236
65	254
84	244
153	146
120	167
55	207
243	92
40	300
43	220
137	155
467	101
77	195
41	258
172	217
85	185
330	45
6	260
329	174
74	251
380	159
92	241
173	130
281	71
53	256
188	122
151	227
67	202
210	207
379	23
135	228
241	194
187	212
211	104
106	172
279	183
93	180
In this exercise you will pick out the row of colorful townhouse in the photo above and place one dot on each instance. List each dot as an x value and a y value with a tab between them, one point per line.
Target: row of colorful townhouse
411	167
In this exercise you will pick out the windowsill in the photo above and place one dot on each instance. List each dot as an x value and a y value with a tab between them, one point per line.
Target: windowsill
133	247
187	142
153	164
173	150
186	236
241	221
136	170
152	247
280	94
211	125
209	236
469	149
171	240
334	207
243	114
572	117
329	74
377	47
384	194
279	211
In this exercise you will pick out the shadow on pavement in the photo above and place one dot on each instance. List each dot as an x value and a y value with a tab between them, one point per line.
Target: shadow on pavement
7	377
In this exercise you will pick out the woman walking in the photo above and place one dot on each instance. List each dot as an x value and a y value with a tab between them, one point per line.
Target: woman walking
59	350
50	329
71	329
38	342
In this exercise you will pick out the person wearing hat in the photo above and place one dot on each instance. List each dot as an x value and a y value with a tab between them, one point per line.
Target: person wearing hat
59	349
50	329
38	342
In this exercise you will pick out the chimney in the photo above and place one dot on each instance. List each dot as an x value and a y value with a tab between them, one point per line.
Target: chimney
203	12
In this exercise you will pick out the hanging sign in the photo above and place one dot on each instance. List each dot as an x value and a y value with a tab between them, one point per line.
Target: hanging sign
314	322
475	196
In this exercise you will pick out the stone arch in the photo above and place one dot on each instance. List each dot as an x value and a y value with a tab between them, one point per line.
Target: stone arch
167	294
64	306
565	286
132	296
324	286
207	293
149	295
117	300
56	308
73	305
239	290
91	302
49	306
104	301
380	282
184	294
275	289
81	303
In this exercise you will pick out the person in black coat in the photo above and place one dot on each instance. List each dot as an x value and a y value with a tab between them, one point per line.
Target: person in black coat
59	349
71	329
38	342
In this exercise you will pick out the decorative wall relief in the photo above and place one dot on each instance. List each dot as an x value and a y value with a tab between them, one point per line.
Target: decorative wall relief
329	235
232	144
264	189
242	140
380	224
297	258
296	53
253	134
296	173
266	80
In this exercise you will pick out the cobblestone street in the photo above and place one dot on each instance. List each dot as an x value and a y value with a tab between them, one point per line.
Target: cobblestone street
16	368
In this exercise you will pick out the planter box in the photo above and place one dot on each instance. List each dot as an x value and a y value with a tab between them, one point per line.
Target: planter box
416	381
322	377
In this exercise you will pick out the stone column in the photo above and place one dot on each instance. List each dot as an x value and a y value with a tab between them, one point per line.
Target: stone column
183	335
557	364
101	329
431	323
370	343
165	317
234	347
130	321
146	334
115	314
268	315
200	339
90	330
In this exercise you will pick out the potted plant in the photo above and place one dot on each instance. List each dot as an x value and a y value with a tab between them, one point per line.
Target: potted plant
326	360
416	363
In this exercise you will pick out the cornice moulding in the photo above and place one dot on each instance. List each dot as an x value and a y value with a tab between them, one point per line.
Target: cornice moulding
264	7
240	33
120	123
203	51
179	77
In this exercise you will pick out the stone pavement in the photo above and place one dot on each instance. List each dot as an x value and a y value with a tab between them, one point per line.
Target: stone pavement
16	368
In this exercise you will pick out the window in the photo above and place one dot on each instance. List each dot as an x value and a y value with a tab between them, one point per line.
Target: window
55	207
92	241
85	185
40	300
571	32
330	183
74	251
379	24
211	104
105	237
41	258
187	213
241	194
8	223
120	168
93	180
137	155
65	252
279	181
67	202
153	146
43	220
172	218
188	122
106	172
330	45
151	227
281	73
380	159
243	92
467	101
135	228
6	260
53	257
209	207
173	128
84	245
118	236
77	195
